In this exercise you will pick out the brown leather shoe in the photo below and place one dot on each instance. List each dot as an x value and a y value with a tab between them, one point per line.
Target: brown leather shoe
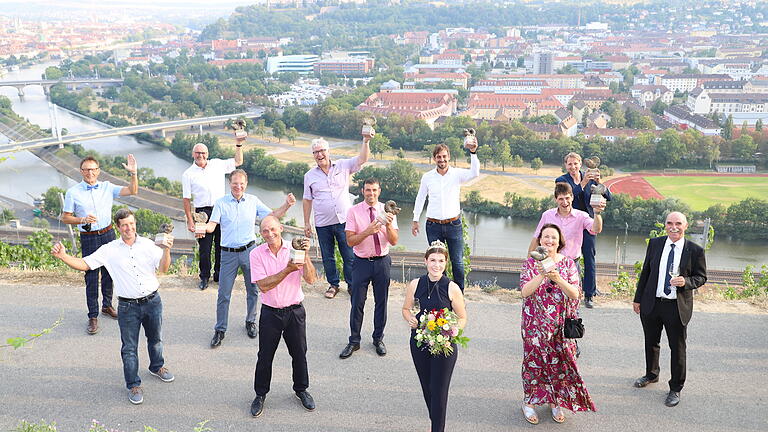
109	310
93	326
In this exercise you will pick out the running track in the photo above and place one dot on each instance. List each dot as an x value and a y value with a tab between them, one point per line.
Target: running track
636	186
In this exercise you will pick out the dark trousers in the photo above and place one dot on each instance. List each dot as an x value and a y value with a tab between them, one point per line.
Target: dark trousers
366	272
588	252
132	317
435	376
204	245
452	235
665	315
89	243
290	323
328	237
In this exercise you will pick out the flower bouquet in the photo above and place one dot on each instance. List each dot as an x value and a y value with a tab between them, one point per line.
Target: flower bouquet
438	329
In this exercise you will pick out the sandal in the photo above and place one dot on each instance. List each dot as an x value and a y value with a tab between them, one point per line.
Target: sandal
558	415
331	292
530	415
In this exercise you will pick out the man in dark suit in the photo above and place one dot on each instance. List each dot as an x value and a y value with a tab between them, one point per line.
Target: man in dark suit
672	269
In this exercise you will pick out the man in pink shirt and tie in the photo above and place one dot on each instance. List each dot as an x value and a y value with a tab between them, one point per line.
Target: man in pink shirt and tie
282	314
370	231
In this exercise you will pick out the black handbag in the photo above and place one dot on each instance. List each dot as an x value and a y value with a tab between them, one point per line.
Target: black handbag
573	328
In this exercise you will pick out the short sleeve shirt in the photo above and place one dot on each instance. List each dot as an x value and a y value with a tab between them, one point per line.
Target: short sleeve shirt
238	218
264	263
132	267
83	199
330	192
205	185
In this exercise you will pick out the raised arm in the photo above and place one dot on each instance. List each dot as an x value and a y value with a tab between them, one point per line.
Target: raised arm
239	151
365	149
279	212
59	251
133	187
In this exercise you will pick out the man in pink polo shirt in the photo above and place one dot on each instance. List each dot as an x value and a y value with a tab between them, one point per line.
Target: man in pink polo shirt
282	313
370	231
572	223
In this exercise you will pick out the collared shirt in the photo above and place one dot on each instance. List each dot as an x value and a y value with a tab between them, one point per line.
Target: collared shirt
444	191
237	218
264	263
205	185
572	227
663	267
132	267
581	195
330	192
98	201
358	219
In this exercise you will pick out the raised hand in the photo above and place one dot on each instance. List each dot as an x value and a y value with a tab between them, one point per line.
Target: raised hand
58	250
290	200
131	165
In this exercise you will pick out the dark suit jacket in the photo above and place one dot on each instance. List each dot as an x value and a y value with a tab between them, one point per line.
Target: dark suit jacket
693	267
581	195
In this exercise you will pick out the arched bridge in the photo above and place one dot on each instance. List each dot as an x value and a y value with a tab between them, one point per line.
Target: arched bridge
70	83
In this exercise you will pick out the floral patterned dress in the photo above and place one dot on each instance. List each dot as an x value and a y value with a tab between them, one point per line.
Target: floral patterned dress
549	360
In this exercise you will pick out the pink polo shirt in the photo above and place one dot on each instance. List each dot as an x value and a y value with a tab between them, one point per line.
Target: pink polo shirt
572	227
264	263
358	219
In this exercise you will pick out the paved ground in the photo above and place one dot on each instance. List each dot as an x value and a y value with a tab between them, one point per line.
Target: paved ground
71	377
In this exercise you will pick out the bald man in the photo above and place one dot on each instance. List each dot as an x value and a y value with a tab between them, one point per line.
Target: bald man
672	269
202	184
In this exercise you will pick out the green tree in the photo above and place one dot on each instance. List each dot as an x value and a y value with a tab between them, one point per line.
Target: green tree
502	155
536	164
727	132
759	125
261	128
455	148
669	148
379	144
292	134
485	154
53	73
278	129
53	204
744	147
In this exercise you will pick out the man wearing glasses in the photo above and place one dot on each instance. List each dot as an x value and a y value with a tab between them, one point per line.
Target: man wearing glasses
88	205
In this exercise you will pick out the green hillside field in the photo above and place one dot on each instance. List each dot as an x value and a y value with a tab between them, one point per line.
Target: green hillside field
701	192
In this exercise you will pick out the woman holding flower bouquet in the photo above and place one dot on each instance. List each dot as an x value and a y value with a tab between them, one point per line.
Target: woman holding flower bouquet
551	291
434	308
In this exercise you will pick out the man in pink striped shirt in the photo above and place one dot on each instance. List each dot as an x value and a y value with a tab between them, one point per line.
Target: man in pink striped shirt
282	314
370	231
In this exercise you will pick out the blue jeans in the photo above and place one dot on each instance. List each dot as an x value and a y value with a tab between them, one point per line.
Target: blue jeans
89	243
131	317
328	236
230	262
588	252
453	236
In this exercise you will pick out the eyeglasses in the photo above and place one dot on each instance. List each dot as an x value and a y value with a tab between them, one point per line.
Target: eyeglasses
89	169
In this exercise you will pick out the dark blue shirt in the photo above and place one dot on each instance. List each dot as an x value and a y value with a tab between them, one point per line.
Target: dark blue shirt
581	196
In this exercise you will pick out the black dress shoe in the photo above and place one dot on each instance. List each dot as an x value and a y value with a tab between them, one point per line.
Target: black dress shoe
306	400
257	406
644	381
381	349
673	398
348	350
250	328
203	284
216	278
217	338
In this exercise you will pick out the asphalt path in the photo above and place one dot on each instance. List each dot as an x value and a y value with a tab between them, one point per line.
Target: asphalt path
71	377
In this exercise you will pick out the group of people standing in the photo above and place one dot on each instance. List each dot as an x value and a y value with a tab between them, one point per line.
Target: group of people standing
363	234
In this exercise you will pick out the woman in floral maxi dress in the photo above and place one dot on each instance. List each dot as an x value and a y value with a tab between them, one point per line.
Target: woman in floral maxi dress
549	372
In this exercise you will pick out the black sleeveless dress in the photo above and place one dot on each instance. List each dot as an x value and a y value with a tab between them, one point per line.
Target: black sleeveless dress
434	371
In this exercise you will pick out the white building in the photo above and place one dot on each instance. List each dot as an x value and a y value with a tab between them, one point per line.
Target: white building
302	63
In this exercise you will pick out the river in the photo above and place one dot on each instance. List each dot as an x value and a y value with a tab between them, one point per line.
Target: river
23	174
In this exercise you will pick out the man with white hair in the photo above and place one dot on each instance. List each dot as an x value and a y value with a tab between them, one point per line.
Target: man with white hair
204	183
326	190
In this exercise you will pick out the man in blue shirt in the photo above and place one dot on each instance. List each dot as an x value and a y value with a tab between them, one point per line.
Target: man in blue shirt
88	205
237	213
582	189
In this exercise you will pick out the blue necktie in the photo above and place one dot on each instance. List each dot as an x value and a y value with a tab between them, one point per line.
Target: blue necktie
670	266
91	187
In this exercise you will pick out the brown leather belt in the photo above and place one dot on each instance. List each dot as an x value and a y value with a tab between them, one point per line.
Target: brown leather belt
443	221
101	231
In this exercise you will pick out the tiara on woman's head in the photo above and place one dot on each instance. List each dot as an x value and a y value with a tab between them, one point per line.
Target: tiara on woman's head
437	244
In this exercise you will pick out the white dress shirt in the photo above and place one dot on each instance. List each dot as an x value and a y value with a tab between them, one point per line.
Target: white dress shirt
444	191
663	267
132	267
205	185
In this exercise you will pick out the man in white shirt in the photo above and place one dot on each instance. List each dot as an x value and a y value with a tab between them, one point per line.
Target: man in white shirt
133	262
204	183
443	187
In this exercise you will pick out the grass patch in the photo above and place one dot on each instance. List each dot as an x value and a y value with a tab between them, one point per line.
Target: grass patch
701	192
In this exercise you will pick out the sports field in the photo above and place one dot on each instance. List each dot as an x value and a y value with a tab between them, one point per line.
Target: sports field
701	192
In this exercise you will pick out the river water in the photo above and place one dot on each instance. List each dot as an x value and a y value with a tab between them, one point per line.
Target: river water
23	174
